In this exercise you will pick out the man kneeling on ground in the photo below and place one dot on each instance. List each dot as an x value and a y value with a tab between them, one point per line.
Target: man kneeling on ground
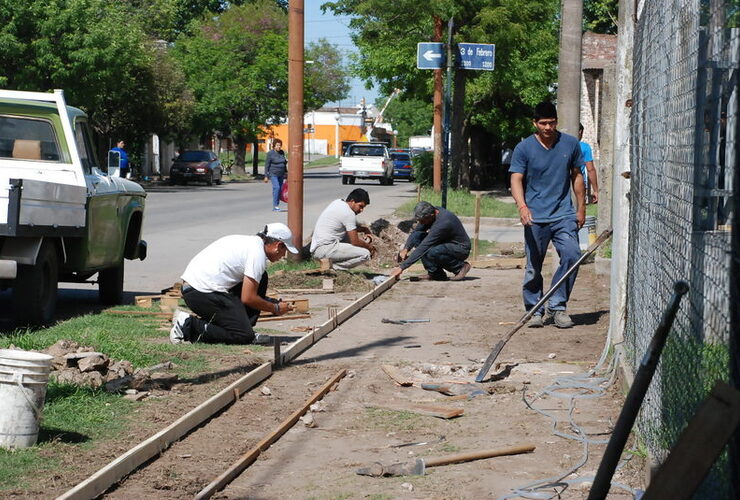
336	235
226	286
440	241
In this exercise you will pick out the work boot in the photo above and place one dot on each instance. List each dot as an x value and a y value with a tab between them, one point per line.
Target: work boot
178	322
562	320
462	272
535	321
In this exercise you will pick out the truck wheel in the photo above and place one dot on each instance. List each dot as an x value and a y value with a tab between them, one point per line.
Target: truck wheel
110	285
35	289
345	179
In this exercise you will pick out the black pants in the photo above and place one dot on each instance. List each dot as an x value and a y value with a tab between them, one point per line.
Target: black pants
442	257
223	318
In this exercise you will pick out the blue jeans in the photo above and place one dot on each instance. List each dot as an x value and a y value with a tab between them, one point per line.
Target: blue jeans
277	185
564	236
441	257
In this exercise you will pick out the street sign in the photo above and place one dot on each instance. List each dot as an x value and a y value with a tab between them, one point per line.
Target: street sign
430	55
476	56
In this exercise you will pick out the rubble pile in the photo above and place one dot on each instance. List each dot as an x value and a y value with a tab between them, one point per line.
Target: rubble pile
83	366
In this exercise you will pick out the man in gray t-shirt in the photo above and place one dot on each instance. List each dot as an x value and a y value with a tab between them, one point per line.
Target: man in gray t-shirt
336	237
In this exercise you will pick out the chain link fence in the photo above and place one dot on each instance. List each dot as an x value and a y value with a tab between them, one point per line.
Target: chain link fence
684	137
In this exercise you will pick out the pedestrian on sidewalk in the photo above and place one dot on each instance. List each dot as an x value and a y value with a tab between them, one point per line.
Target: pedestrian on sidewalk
124	162
440	241
543	167
588	170
337	236
226	286
276	168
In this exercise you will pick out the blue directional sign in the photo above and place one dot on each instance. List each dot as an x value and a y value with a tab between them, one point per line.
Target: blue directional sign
476	56
430	55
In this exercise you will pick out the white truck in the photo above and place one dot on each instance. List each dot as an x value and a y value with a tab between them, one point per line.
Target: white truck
366	160
62	217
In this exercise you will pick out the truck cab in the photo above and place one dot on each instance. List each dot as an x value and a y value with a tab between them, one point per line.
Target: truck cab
62	216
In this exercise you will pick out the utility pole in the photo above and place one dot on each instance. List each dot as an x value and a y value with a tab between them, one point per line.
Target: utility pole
437	139
295	120
569	66
448	113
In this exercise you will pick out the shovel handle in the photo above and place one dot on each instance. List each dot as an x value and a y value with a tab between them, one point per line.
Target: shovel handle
477	455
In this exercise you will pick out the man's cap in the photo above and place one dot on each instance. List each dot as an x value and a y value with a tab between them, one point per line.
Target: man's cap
281	232
423	209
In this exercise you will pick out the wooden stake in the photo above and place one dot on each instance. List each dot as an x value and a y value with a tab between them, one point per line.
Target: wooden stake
477	225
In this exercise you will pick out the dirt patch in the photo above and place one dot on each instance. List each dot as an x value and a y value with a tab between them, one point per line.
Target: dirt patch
364	420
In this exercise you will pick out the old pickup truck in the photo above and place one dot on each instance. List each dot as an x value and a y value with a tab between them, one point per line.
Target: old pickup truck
62	217
366	160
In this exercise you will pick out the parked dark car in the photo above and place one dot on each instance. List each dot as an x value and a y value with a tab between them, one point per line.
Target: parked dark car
402	168
202	166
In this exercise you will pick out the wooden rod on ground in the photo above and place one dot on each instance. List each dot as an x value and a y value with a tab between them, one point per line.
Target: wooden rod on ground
248	458
477	455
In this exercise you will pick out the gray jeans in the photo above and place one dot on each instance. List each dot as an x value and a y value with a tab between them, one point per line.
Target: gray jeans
343	256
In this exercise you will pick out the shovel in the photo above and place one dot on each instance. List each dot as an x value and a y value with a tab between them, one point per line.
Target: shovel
418	467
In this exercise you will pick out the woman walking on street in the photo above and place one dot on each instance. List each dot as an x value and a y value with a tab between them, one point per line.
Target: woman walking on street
276	168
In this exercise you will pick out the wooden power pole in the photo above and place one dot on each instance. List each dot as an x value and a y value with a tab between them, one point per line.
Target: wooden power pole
295	120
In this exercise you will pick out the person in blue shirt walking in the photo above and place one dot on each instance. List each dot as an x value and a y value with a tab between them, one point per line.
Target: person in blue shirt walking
124	158
588	170
276	168
543	167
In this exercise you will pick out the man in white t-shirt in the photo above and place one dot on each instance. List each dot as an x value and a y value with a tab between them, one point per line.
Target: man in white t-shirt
226	286
336	235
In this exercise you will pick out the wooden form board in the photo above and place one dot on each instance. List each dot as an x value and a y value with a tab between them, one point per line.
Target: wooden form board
109	475
311	338
699	445
248	458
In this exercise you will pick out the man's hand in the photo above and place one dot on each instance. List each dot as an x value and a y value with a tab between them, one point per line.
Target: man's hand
265	179
403	255
373	251
525	215
595	196
581	216
283	308
396	273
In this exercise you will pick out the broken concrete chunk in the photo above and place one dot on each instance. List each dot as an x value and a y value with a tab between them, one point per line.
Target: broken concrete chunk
93	363
265	390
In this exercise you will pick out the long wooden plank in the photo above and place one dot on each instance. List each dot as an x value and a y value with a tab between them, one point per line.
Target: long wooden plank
699	445
297	348
248	458
284	317
426	410
109	475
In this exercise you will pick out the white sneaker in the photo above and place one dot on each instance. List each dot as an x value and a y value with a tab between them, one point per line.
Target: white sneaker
262	339
178	321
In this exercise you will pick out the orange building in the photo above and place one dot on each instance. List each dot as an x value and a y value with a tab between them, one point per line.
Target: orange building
323	130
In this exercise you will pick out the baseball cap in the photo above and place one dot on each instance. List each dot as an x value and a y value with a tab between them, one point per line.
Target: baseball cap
281	232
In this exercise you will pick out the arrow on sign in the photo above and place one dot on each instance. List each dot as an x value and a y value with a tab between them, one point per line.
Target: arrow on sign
429	55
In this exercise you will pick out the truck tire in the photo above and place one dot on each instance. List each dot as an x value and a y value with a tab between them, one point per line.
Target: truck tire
345	179
110	285
35	289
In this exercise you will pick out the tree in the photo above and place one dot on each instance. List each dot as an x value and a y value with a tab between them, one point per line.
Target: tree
600	16
409	116
325	79
497	104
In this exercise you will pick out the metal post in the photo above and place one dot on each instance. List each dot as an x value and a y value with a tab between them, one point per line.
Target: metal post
477	225
448	113
295	120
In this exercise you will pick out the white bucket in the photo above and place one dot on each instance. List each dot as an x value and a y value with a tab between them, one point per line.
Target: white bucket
23	379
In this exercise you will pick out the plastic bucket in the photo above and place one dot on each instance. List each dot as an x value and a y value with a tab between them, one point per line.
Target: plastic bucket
590	226
24	376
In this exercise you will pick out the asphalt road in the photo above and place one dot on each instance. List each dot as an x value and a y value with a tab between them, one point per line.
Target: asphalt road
181	220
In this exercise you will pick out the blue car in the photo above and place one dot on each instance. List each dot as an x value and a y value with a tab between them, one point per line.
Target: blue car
402	168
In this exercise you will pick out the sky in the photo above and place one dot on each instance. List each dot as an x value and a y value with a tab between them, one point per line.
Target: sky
335	30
